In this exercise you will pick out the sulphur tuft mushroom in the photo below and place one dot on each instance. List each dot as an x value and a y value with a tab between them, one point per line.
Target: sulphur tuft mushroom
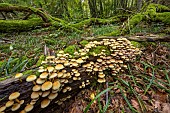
2	108
46	86
19	75
59	66
45	103
31	78
14	96
29	107
15	107
9	103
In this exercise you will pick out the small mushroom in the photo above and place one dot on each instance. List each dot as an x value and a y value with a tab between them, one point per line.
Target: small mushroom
19	75
45	94
46	86
40	81
44	75
31	78
2	108
35	95
9	103
56	85
59	66
36	88
50	69
15	107
52	96
53	75
45	103
14	96
101	80
29	107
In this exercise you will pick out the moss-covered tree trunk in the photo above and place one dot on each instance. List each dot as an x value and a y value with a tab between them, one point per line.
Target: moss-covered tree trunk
153	13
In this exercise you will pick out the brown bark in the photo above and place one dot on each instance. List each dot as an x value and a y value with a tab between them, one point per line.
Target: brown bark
25	88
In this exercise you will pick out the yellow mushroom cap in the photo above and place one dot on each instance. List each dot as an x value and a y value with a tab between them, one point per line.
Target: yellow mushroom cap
50	69
56	85
50	57
44	75
40	81
15	107
2	108
53	75
46	93
60	74
36	88
18	75
21	102
101	80
59	66
14	95
46	86
79	60
9	103
101	75
45	103
31	78
77	74
35	95
52	96
28	108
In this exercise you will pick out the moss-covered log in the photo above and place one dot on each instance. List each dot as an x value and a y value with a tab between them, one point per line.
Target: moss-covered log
4	7
66	75
153	13
98	21
153	38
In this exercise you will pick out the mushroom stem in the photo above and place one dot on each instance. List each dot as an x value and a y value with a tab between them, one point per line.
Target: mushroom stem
34	82
17	100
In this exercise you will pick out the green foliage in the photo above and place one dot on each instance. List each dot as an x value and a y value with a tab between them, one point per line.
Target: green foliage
41	58
84	42
99	49
71	49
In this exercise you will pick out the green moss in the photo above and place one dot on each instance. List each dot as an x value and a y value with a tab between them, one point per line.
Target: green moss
114	33
50	41
84	42
4	46
157	8
41	58
98	50
20	25
164	17
71	49
2	5
28	72
136	44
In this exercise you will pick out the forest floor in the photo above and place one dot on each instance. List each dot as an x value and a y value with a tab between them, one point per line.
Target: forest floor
145	87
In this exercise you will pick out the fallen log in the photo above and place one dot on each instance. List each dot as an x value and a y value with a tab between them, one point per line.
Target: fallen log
60	78
148	38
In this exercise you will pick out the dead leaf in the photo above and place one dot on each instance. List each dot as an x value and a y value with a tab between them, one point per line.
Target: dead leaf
165	108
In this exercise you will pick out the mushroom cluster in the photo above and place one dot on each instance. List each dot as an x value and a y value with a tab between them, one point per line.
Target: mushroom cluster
14	103
56	73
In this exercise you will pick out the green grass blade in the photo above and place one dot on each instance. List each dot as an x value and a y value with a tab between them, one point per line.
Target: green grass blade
127	101
97	96
18	66
151	81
